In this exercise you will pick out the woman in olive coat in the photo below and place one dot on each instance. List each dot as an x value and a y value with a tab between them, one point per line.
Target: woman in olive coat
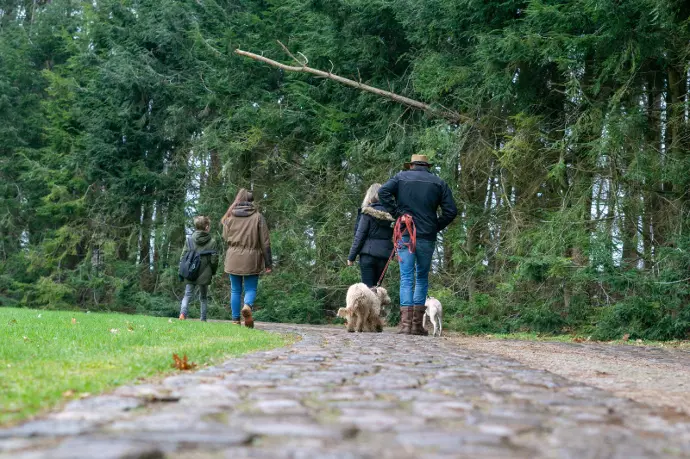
248	253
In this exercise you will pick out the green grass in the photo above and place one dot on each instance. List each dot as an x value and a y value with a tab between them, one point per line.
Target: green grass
48	357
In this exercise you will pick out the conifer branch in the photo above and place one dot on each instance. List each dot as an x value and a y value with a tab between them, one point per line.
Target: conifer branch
446	114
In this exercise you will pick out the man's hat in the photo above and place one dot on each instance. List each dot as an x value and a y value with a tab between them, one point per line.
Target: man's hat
422	160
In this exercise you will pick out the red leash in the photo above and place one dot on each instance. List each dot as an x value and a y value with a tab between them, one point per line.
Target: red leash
400	231
404	225
385	269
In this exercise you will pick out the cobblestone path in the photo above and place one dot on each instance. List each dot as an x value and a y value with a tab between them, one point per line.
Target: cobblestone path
340	395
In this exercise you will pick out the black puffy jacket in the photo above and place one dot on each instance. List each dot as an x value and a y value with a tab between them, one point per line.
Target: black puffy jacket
420	193
374	235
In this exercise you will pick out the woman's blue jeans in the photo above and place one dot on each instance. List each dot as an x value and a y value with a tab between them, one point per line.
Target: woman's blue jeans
250	285
418	263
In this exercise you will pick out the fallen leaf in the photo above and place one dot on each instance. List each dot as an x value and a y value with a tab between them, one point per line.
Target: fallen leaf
39	316
74	321
84	395
626	337
114	330
26	338
182	363
638	341
12	322
130	327
68	393
169	321
578	340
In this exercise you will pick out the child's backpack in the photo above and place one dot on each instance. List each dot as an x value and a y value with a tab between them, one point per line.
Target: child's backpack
189	266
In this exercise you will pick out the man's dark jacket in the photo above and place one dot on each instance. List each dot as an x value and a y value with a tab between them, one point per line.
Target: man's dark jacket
420	193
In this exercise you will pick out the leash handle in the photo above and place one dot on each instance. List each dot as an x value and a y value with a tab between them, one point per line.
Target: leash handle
409	228
398	233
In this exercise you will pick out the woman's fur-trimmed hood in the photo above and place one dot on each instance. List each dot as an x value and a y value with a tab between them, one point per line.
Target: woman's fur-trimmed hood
378	214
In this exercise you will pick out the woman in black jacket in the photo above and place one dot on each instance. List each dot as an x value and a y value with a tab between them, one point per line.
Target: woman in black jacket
373	238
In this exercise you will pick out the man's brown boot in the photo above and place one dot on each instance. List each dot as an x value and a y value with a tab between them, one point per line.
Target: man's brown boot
418	321
405	320
247	316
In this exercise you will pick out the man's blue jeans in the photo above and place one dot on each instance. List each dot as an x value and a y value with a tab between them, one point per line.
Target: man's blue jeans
418	263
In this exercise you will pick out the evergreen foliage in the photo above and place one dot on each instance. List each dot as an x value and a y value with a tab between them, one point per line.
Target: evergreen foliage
119	120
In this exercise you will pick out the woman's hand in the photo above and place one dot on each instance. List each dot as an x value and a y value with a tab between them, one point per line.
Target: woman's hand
268	271
350	263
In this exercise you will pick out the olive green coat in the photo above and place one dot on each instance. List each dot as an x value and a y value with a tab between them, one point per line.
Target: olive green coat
248	243
209	263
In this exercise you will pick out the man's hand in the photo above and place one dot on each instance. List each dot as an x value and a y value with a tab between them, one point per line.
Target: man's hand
268	271
350	263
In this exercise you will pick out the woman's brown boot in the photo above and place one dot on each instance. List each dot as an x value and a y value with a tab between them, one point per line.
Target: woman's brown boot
418	321
405	320
247	316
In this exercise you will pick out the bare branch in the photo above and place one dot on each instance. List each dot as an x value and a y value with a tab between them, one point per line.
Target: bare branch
303	68
285	48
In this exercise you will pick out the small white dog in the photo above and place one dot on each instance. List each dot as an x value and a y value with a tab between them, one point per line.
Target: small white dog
434	311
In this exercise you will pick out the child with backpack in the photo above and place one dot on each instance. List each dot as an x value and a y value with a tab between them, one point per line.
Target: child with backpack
198	264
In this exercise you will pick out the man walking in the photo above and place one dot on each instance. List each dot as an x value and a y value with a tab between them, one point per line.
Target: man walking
417	193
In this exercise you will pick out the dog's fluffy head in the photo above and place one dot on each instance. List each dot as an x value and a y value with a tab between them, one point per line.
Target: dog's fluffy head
382	295
342	313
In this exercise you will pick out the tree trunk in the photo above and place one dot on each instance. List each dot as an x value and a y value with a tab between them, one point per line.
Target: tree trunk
656	217
631	213
146	277
473	186
214	169
448	246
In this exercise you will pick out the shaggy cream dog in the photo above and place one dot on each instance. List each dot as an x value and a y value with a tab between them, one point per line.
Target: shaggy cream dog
434	312
363	308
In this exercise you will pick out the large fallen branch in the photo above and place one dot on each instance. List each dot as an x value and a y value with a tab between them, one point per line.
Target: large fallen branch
304	68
